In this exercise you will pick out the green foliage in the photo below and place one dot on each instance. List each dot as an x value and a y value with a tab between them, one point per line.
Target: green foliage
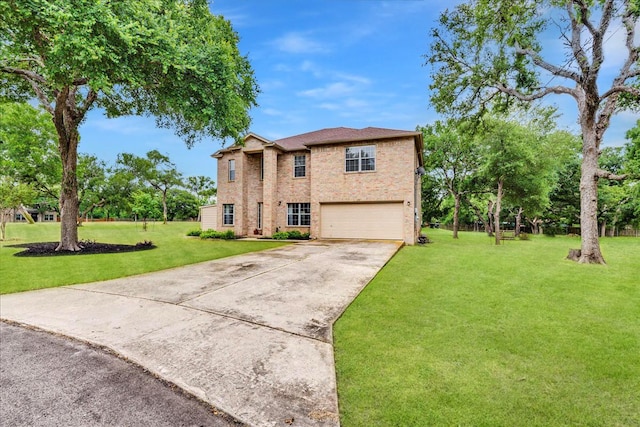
172	59
202	187
155	170
92	179
145	206
292	235
194	233
182	205
134	57
213	234
29	152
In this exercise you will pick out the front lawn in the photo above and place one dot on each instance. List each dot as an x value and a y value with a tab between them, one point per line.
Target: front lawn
174	249
467	333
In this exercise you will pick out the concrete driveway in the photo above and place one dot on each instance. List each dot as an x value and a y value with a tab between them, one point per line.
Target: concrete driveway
250	334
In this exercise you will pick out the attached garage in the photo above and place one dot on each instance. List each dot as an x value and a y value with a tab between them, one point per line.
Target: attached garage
209	217
362	221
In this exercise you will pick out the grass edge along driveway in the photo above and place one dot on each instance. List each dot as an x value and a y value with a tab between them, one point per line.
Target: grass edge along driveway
174	249
467	333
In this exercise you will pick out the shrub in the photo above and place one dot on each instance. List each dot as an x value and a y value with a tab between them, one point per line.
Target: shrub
195	232
523	236
213	234
228	235
293	234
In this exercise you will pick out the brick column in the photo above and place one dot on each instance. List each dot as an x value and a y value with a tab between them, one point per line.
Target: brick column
270	191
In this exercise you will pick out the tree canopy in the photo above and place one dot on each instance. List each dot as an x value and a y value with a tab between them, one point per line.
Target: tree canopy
173	60
489	54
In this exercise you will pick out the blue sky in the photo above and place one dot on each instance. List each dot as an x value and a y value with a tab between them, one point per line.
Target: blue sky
324	63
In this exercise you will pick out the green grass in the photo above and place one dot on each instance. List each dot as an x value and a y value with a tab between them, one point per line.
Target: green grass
174	249
467	333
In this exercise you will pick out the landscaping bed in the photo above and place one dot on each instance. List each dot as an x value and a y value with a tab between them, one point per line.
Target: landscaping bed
88	248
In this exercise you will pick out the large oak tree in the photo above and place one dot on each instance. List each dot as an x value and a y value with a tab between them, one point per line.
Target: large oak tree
490	52
171	59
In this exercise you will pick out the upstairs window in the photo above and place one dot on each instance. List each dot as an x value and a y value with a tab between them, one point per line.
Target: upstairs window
298	214
300	166
262	168
232	170
360	159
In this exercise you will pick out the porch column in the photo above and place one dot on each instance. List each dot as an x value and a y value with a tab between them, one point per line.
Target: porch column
269	191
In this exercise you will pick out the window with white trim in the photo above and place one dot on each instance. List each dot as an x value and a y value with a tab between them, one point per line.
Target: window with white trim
227	214
300	166
360	159
232	170
298	214
48	217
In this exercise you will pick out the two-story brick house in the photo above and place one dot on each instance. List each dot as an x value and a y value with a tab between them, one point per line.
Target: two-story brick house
338	183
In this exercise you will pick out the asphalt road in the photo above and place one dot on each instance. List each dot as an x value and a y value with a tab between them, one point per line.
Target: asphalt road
49	380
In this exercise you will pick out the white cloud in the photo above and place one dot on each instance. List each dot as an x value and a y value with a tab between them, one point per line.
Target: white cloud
330	90
299	43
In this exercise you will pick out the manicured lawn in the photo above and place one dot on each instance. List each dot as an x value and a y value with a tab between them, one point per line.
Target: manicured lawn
466	333
174	249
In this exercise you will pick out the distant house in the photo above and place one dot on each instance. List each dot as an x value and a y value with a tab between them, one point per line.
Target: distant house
337	183
47	216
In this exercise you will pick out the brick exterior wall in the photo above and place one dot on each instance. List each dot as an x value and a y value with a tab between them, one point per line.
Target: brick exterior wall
326	181
393	179
291	189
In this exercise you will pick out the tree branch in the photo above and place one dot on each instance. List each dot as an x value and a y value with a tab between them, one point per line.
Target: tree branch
601	173
537	95
33	79
31	75
553	69
576	45
88	102
621	89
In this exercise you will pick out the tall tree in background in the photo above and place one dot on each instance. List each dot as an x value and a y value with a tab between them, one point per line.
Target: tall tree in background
171	59
489	52
203	188
92	183
155	170
28	152
453	158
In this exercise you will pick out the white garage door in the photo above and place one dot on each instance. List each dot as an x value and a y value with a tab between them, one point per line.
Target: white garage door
361	221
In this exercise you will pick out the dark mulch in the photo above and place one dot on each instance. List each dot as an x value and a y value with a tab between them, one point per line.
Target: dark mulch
88	247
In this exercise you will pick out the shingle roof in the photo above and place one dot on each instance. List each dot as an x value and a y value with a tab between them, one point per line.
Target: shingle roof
334	136
337	135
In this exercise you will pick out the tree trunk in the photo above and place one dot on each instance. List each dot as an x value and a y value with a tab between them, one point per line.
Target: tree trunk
68	139
3	223
518	221
456	215
603	228
164	206
590	245
490	226
496	214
